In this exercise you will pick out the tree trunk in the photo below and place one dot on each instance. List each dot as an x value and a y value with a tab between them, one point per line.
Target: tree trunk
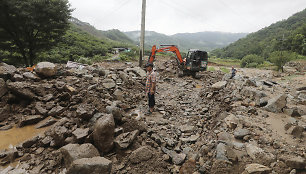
32	56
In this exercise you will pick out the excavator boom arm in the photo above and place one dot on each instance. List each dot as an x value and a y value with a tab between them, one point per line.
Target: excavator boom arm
171	48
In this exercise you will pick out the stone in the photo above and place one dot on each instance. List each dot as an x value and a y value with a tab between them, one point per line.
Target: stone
80	133
296	162
231	121
46	69
117	114
30	75
6	71
17	77
31	119
141	154
45	123
240	133
186	128
72	152
296	131
108	83
125	139
3	89
137	70
103	134
94	165
85	111
219	85
21	89
177	159
294	112
257	169
253	151
56	111
8	156
30	142
277	103
221	152
39	109
58	134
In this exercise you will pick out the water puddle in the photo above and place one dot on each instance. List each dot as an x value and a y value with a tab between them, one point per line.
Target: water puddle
16	135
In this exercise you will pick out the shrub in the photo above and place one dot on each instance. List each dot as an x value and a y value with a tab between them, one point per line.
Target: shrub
280	58
251	61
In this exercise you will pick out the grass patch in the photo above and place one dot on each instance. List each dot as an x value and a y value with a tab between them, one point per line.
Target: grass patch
225	70
211	68
226	62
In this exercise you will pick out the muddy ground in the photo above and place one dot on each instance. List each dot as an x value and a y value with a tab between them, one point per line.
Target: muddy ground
93	121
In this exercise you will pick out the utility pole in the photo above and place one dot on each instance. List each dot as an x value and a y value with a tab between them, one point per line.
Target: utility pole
142	34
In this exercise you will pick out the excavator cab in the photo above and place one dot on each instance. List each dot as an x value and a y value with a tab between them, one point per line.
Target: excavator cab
196	60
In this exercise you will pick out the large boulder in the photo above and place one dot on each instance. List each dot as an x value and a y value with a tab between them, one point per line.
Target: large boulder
3	88
103	133
21	89
296	162
46	69
6	71
219	85
72	152
277	103
28	120
137	70
125	139
95	165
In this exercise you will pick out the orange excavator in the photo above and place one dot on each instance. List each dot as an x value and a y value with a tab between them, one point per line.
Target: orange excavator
194	62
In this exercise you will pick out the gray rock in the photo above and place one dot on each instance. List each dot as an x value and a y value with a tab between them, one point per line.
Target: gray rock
192	138
30	75
45	123
30	142
103	133
57	110
21	89
221	152
96	117
186	128
28	120
177	159
39	109
80	133
85	111
3	89
277	104
240	133
296	162
294	112
219	85
72	152
6	71
95	165
17	77
140	155
108	83
296	131
125	139
46	69
137	70
255	168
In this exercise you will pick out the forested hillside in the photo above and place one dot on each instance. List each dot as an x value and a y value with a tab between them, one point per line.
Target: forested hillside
287	35
114	34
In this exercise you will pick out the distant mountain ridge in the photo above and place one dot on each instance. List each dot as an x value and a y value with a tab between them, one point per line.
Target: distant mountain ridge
208	40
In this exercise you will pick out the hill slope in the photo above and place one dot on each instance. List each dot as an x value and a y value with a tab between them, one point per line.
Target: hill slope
288	35
201	40
114	35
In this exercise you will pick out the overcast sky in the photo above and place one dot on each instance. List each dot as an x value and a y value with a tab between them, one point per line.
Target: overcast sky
181	16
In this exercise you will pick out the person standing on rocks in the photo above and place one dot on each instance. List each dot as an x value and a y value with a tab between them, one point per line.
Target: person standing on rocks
150	87
233	72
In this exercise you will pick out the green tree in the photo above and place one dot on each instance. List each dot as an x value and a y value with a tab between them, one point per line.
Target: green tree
32	26
251	61
280	58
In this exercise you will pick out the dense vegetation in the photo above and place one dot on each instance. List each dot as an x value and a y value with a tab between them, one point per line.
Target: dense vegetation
30	27
77	45
286	35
